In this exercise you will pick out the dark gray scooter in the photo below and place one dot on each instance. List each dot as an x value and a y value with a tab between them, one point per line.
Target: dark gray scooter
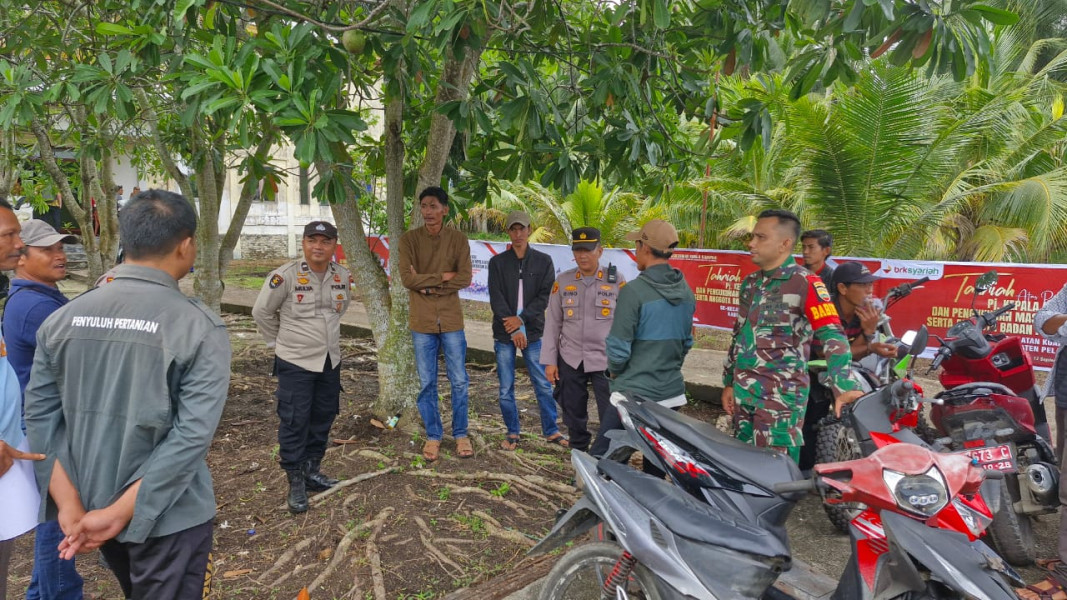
666	544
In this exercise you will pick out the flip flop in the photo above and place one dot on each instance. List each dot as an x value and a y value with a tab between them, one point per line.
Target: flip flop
1046	589
510	443
464	448
558	439
431	450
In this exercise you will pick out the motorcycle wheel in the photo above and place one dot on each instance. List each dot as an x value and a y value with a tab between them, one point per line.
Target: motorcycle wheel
838	443
1012	534
581	573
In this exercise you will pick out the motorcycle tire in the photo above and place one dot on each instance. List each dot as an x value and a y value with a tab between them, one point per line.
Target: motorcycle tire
580	575
835	443
1012	534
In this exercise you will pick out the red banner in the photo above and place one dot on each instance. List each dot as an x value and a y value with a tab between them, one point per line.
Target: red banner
715	277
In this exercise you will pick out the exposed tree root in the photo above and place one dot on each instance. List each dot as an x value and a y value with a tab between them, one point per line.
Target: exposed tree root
485	494
342	546
355	592
317	498
531	484
296	571
374	557
495	529
286	557
442	559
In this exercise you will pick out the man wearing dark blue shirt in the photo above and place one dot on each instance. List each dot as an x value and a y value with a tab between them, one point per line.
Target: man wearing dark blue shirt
33	297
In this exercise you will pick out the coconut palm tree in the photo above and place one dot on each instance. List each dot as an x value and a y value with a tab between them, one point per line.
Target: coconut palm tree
614	212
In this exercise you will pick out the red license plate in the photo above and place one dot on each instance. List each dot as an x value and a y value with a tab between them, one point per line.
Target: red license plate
996	458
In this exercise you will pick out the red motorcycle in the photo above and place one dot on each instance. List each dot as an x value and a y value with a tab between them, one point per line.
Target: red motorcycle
988	412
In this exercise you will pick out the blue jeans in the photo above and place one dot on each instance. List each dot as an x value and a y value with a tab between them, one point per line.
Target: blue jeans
427	346
505	372
53	577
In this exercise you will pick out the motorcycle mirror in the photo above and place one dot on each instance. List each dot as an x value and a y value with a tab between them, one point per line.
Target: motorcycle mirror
918	341
986	281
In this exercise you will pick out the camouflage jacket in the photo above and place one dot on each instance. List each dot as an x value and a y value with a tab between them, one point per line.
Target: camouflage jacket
779	313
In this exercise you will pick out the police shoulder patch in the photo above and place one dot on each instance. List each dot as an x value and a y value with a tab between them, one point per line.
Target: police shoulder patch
275	281
820	289
555	287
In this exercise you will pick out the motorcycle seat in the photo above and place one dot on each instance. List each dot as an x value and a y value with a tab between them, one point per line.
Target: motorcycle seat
688	518
977	388
760	466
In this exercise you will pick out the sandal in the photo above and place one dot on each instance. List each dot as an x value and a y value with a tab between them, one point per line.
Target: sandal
510	443
464	449
558	439
1046	589
431	450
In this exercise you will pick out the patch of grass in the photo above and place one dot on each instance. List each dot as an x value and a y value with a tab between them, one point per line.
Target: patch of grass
501	490
444	494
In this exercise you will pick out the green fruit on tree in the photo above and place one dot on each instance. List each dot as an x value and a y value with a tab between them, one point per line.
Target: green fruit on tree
354	40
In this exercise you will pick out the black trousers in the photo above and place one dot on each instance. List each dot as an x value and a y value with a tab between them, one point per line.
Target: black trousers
572	392
308	402
820	402
169	566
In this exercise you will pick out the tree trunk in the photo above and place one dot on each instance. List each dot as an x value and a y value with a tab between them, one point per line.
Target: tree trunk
240	211
207	285
455	84
81	216
386	301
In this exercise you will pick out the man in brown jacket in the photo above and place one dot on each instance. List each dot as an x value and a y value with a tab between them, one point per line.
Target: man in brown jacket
435	264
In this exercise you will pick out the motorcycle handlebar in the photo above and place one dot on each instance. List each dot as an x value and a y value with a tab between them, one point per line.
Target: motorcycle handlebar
905	288
991	317
802	485
942	353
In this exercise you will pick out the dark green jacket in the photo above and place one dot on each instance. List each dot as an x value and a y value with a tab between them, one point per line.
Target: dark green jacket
651	334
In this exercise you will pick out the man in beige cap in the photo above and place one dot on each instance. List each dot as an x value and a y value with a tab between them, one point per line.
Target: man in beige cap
653	321
520	281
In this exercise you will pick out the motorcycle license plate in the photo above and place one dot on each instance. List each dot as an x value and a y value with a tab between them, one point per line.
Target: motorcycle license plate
994	458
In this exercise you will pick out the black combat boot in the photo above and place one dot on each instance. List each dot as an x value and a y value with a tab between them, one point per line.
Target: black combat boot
314	478
298	495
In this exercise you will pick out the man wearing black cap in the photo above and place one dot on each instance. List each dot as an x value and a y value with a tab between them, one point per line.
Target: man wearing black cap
853	286
851	293
520	280
581	309
298	311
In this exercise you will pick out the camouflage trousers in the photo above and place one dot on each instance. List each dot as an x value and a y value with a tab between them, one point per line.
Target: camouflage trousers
763	427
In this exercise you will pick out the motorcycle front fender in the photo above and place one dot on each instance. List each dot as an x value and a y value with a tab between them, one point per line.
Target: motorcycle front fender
970	568
584	515
581	517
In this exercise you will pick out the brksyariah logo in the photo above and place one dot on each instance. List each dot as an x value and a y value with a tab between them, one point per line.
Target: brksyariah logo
910	269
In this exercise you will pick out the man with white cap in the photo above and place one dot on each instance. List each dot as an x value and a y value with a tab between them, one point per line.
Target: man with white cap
34	296
520	281
653	327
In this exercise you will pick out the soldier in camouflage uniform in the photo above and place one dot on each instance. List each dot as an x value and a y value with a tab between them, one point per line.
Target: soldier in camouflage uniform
782	306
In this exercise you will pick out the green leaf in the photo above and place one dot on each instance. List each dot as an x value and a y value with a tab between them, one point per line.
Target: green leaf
661	14
112	29
181	7
997	16
421	15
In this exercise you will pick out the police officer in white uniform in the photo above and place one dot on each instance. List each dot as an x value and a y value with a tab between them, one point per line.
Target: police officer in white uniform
579	316
298	311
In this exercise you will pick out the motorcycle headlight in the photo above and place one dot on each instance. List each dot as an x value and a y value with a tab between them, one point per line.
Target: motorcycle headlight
924	494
